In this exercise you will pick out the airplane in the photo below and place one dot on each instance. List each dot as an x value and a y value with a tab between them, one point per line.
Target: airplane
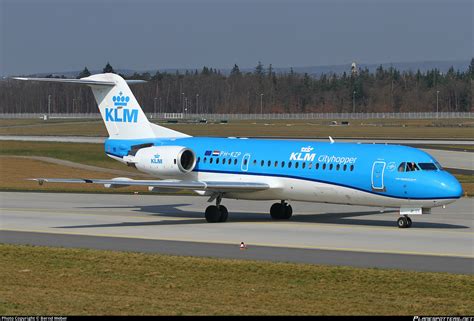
379	175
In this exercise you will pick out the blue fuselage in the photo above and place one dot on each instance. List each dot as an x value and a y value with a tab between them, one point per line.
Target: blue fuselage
377	169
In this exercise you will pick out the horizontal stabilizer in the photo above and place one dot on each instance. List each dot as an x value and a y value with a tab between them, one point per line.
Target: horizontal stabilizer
83	81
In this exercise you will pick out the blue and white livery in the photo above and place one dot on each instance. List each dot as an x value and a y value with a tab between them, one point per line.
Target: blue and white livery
263	169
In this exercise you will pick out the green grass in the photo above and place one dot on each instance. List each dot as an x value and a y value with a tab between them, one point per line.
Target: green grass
47	281
89	154
451	128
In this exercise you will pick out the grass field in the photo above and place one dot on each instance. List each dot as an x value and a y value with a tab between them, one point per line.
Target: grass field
15	172
90	154
453	129
47	281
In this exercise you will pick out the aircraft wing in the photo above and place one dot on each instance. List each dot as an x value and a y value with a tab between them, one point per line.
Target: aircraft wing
167	184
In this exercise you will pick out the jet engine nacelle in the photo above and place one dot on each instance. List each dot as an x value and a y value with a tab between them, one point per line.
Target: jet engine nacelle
165	161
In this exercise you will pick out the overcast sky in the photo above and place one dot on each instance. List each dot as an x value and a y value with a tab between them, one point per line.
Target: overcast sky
66	35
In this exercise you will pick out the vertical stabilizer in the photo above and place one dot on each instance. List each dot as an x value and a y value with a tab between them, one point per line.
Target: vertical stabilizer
122	115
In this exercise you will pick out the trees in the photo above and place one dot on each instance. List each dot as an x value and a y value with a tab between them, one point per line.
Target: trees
235	71
382	90
108	68
84	73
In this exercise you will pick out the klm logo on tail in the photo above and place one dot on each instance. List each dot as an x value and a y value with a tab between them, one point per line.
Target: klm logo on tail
120	113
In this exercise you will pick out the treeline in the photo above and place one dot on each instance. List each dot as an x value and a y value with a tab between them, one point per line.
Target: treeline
262	90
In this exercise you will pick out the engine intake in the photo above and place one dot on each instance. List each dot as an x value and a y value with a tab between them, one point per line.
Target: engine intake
165	161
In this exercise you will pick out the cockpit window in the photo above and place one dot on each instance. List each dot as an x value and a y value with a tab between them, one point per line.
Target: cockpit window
401	168
411	167
428	166
439	166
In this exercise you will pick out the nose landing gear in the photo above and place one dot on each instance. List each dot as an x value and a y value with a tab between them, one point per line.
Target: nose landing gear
404	222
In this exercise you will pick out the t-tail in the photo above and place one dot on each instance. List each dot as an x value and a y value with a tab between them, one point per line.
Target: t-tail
122	115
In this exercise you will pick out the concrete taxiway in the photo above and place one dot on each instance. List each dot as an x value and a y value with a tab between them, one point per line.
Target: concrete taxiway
317	233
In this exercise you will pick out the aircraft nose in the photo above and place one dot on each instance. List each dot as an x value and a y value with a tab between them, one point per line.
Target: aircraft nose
452	187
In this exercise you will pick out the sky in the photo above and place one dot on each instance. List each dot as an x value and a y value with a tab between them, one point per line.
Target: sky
66	35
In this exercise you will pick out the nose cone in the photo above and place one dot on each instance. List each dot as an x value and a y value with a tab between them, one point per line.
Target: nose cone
451	186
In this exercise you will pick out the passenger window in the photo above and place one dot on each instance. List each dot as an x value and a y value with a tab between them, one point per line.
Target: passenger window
283	164
310	165
289	164
401	167
352	168
205	159
255	162
245	161
330	167
235	161
324	166
344	167
217	160
199	159
316	166
211	160
303	165
262	163
338	166
297	164
269	163
276	163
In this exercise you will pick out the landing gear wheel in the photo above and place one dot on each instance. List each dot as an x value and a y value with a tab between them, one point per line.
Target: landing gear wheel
212	214
402	222
224	213
281	211
277	211
288	211
409	221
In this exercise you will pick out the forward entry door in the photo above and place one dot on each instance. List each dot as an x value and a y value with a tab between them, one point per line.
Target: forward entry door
378	169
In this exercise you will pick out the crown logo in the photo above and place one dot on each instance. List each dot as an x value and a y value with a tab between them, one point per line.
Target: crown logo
306	149
120	100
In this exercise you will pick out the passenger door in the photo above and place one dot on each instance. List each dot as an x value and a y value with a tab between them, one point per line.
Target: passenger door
245	163
378	169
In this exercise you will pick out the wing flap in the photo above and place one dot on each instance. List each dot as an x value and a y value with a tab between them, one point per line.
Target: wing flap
171	184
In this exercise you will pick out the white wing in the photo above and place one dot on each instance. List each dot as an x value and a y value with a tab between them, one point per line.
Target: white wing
171	184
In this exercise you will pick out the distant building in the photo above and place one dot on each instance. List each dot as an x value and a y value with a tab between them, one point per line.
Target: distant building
354	68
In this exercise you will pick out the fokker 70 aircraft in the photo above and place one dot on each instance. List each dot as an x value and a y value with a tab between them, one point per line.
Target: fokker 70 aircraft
262	169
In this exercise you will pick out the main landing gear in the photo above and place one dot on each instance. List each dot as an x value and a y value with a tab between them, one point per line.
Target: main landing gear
281	211
216	213
404	221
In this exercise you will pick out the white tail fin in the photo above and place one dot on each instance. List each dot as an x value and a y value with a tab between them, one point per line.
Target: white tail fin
122	115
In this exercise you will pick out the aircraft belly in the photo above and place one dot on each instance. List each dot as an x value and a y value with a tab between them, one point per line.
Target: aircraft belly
290	189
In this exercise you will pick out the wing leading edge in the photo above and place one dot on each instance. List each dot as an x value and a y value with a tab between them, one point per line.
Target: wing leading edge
171	184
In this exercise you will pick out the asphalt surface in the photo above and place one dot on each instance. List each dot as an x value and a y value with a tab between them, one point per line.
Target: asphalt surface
317	233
